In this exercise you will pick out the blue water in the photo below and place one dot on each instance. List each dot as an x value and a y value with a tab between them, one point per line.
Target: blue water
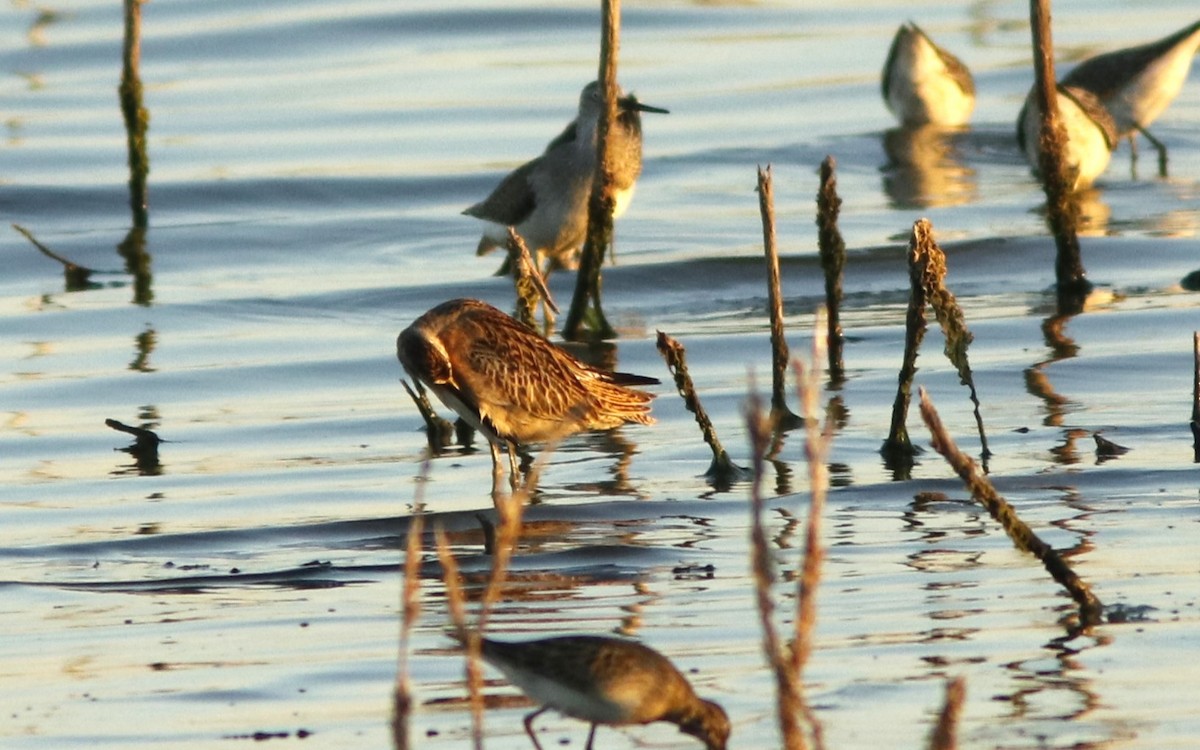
309	163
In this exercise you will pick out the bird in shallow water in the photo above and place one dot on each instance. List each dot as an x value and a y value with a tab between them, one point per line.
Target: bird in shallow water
546	199
924	84
511	383
1137	84
606	680
1091	134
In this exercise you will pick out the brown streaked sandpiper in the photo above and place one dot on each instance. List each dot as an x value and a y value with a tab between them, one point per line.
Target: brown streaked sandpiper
511	383
606	680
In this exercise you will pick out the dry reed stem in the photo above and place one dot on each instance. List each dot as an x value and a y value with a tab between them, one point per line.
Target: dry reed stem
601	201
1061	204
898	445
410	609
530	284
816	450
137	117
982	491
945	732
790	704
832	250
783	417
722	471
1196	395
472	639
931	262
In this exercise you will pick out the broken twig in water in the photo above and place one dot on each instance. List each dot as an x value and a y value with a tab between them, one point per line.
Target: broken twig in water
783	417
832	250
722	472
1090	609
530	284
410	608
927	274
76	276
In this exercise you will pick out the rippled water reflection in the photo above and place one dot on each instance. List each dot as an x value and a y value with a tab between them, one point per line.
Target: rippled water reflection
308	166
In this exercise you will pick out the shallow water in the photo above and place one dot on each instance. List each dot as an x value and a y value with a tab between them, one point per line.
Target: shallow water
309	163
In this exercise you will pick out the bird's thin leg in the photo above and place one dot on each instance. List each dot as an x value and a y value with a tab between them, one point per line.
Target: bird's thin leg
1160	146
529	726
514	469
591	736
497	467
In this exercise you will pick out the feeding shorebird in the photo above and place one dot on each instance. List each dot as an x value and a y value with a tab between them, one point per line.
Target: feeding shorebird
925	84
606	680
1091	133
511	383
1137	83
546	199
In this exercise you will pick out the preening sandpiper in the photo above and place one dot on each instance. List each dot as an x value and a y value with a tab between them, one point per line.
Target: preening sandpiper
546	199
511	383
924	84
606	680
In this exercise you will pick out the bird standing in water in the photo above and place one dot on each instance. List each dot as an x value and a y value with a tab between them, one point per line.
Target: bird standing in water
1137	83
606	680
546	199
1091	134
511	383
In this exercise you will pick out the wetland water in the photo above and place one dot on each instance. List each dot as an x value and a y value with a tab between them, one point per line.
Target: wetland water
309	163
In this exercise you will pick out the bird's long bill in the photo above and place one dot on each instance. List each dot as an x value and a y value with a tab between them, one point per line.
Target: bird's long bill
630	103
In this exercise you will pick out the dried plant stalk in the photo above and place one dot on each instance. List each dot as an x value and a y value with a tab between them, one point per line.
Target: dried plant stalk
816	450
410	608
1196	395
898	445
1090	608
530	284
1061	204
455	602
722	471
601	201
787	680
832	251
945	732
137	117
783	417
931	262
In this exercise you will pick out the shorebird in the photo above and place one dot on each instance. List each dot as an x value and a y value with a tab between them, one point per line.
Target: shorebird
511	383
1091	133
1136	84
925	84
546	199
606	680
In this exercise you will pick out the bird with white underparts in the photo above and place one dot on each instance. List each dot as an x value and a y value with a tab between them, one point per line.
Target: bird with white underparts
923	84
606	680
546	199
